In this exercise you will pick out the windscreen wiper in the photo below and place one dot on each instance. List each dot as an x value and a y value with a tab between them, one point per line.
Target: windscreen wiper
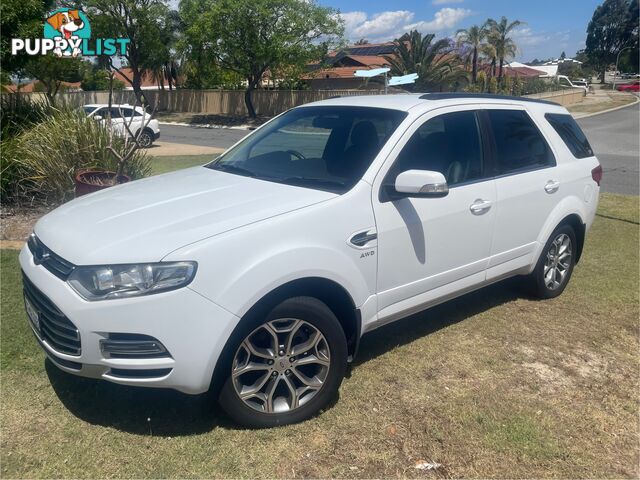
313	182
229	168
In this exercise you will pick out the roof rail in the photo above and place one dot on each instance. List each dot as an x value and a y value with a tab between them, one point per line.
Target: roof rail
453	95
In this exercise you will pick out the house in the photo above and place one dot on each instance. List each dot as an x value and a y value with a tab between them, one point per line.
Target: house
550	67
337	69
149	81
37	86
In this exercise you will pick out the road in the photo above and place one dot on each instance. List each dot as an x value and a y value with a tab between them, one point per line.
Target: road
615	139
205	137
613	136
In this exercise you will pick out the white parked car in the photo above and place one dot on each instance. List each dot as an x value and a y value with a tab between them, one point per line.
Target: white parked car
564	81
256	275
124	115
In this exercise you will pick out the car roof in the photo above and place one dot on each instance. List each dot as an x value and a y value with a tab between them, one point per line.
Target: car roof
406	102
99	105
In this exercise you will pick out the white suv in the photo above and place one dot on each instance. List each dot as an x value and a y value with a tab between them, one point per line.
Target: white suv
124	115
257	274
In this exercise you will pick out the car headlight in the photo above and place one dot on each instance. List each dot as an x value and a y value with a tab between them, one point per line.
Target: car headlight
132	280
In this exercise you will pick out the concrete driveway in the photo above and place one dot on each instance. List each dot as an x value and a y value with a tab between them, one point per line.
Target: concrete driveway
613	136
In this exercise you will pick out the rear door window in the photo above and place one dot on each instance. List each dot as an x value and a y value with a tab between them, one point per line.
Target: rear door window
519	145
571	134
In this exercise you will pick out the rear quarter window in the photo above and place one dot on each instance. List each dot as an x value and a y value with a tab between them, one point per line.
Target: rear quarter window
571	134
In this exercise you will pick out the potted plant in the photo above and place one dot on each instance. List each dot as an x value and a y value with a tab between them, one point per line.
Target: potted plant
89	180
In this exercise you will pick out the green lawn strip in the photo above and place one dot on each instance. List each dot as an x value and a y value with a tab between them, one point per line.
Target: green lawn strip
494	384
164	164
622	207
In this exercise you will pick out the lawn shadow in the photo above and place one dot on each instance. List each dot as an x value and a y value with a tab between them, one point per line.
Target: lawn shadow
164	412
411	328
144	411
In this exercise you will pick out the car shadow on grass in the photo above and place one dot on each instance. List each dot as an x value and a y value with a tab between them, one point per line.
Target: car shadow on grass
143	411
164	412
428	321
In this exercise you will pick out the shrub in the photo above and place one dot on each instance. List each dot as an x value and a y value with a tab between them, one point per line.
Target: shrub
48	155
493	85
518	86
18	112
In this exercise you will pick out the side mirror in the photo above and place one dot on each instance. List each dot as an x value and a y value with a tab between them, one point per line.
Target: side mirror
97	118
421	183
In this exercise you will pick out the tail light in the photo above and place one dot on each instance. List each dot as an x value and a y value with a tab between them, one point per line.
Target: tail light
596	174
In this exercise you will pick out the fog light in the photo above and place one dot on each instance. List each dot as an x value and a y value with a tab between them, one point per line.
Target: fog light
121	345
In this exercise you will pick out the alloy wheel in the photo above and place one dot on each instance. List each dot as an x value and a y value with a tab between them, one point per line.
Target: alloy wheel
144	140
281	365
558	261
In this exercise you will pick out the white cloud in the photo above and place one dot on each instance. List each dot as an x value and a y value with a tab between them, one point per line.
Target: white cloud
444	19
525	37
384	23
392	24
353	20
445	2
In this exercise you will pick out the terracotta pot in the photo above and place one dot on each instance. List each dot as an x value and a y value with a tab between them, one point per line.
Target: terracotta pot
89	181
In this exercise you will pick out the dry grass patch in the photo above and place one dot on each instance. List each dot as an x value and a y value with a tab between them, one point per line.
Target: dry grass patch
494	384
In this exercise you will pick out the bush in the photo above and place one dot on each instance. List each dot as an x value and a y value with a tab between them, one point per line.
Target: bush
44	158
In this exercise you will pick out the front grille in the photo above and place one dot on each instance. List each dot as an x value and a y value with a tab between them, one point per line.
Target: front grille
42	255
53	327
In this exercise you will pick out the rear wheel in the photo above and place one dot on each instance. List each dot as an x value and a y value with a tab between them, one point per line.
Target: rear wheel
555	266
286	367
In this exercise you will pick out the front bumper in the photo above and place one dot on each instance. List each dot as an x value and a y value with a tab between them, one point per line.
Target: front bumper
193	329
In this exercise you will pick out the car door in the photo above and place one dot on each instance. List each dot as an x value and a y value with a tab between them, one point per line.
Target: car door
429	248
528	186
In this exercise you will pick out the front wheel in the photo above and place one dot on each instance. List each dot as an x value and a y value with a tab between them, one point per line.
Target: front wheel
287	367
555	266
145	139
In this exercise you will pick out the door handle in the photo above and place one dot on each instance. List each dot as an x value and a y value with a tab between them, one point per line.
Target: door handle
552	186
480	206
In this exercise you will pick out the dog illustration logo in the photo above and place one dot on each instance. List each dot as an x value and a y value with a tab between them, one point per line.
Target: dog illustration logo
70	25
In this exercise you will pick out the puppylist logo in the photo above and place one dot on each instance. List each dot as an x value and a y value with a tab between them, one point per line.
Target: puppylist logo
67	33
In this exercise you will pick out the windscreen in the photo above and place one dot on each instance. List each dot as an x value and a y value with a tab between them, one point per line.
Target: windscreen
326	148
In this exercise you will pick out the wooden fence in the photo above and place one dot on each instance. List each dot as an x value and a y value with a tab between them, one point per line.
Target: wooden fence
231	102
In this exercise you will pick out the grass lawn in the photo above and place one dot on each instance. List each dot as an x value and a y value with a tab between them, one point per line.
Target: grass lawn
492	385
170	163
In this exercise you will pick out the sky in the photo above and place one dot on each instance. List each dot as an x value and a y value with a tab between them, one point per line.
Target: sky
551	26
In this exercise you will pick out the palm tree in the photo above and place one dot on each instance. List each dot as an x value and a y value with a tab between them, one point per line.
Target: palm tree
432	61
489	51
499	38
473	38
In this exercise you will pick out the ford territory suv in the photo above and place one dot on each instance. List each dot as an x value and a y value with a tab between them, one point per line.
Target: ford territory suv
257	274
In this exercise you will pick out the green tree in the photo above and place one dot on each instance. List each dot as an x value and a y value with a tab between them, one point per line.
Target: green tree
250	37
19	19
499	37
52	71
433	61
96	79
473	37
142	22
614	25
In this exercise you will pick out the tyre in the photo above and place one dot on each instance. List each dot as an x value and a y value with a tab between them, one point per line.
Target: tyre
555	265
286	367
145	139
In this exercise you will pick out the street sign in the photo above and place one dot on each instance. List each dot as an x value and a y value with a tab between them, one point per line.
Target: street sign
411	78
371	73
